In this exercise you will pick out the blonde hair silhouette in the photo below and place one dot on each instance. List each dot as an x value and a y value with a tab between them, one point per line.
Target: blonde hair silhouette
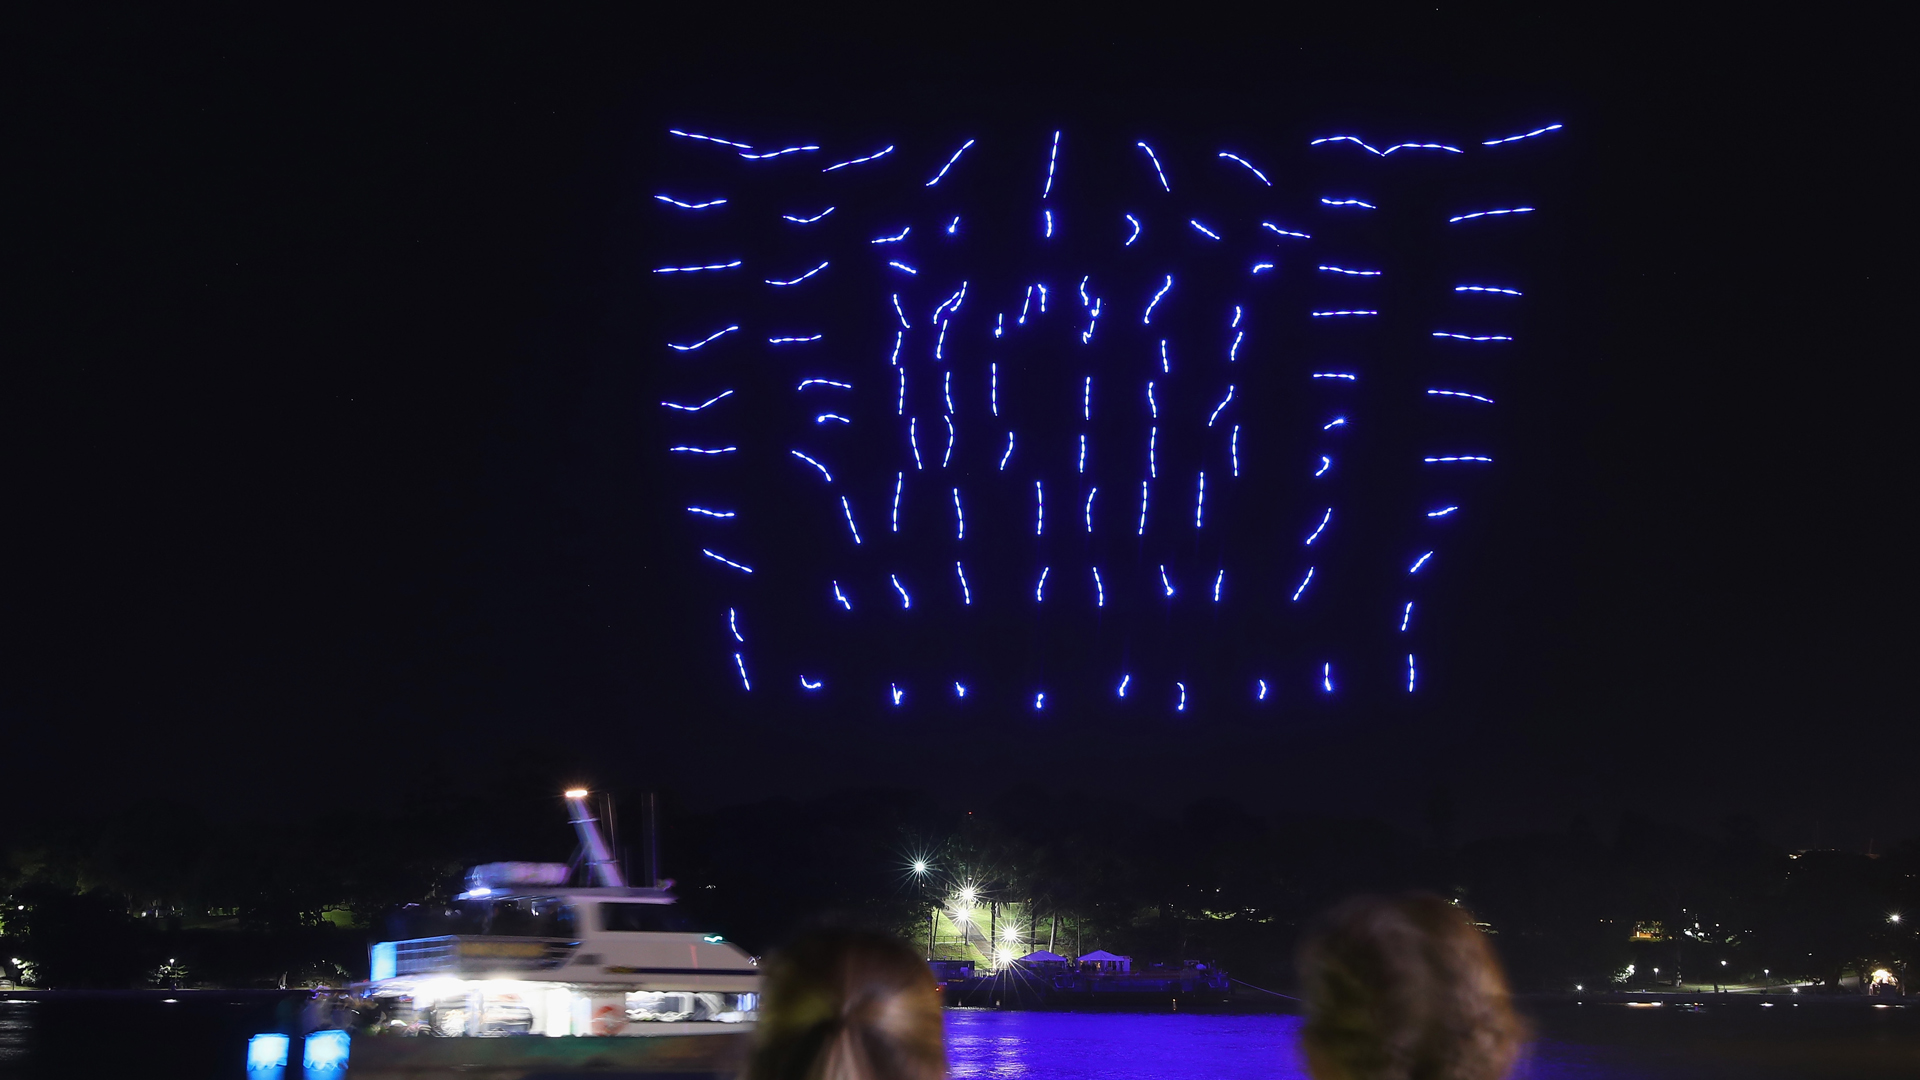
849	1005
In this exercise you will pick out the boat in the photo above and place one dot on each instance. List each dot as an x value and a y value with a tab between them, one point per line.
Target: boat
523	952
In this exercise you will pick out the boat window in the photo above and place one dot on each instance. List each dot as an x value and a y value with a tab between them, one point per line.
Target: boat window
639	918
531	916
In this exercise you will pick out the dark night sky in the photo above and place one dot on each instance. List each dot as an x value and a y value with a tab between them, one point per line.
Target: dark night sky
325	421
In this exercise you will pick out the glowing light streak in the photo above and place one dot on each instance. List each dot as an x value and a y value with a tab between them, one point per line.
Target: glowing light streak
1124	680
960	689
1260	694
815	464
842	597
1148	316
1406	617
1317	529
1237	313
899	338
1419	562
893	239
1303	584
733	624
1271	227
1039	701
704	512
1528	135
1410	673
1136	230
1099	590
959	517
1085	300
696	269
1153	470
1004	457
948	456
1053	158
1086	336
1083	452
1336	314
900	403
1338	421
1143	509
670	200
1182	706
702	405
1086	400
1458	457
1153	409
1164	367
1157	170
742	567
1233	449
1326	678
966	597
899	481
1090	496
1164	583
905	600
1261	268
813	685
1349	376
913	440
894	689
701	450
1218	580
1442	512
808	220
1039	508
1490	213
741	663
947	393
1249	165
1223	404
851	527
1351	273
937	177
804	383
1024	302
1040	588
952	228
1388	150
710	138
778	153
1048	215
1488	289
1344	138
999	323
1461	394
1348	202
716	335
826	416
1233	350
993	388
1210	233
823	265
1471	337
898	265
859	160
1200	502
1043	298
1325	464
794	340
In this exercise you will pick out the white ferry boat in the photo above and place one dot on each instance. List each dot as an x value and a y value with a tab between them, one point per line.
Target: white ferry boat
525	953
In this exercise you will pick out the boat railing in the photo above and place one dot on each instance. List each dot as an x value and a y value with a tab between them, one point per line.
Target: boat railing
458	954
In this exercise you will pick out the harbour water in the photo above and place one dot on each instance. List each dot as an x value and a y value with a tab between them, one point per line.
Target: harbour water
202	1035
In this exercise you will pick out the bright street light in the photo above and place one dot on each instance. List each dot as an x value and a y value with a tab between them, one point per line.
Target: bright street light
919	866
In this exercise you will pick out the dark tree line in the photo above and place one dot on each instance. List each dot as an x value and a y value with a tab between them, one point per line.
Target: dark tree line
171	891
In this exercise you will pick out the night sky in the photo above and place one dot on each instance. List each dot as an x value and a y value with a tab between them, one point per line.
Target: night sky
334	460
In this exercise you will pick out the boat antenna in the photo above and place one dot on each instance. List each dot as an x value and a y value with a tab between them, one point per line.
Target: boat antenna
604	869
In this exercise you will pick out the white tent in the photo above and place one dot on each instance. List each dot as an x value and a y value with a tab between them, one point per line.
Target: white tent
1103	961
1042	956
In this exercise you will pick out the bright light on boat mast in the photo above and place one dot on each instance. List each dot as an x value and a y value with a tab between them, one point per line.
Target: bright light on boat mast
577	793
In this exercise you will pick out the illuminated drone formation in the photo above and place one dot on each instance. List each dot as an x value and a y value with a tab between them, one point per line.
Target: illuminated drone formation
1046	422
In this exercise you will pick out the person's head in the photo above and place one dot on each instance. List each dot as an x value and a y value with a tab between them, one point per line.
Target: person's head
1404	988
849	1005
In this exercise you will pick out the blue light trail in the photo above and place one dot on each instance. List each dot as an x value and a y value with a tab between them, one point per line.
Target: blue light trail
1182	706
1249	165
1233	350
842	597
1157	170
966	595
937	177
1303	584
701	450
1351	273
801	278
1090	496
1040	588
913	440
826	416
1317	529
1153	409
1086	400
813	685
1008	454
1270	226
815	464
1039	701
1338	421
1460	394
959	517
993	388
898	265
1406	617
1223	404
808	220
959	689
702	405
1528	135
1490	213
1086	336
1233	449
1203	228
1326	678
1153	468
777	153
1136	230
1488	289
694	269
1200	502
1053	157
1260	694
1148	316
1442	512
742	567
1347	375
794	340
733	624
741	663
1348	202
1471	337
704	512
722	142
1143	509
1164	366
1048	214
1099	590
899	481
947	392
1083	453
1409	673
717	334
1039	508
905	600
954	227
1458	457
1419	562
1218	580
900	403
1388	150
859	160
1124	680
893	239
1335	314
1325	464
948	456
851	527
894	689
691	205
804	383
1164	582
1261	268
893	358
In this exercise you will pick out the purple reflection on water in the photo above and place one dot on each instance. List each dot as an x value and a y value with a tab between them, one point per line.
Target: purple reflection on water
985	1043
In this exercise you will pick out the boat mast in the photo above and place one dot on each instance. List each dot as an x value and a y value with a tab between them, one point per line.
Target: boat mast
604	868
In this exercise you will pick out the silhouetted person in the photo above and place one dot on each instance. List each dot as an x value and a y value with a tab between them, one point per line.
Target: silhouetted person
1404	988
849	1005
